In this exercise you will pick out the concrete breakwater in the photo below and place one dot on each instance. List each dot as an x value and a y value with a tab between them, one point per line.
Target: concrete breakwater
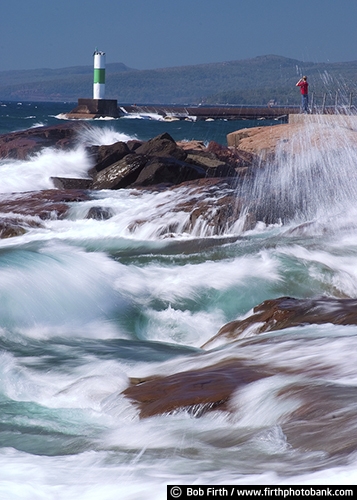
97	108
171	112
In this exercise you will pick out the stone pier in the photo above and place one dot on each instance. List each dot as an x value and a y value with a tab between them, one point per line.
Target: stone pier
94	108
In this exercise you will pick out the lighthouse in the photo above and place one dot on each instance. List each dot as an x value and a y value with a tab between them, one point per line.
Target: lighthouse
99	75
99	106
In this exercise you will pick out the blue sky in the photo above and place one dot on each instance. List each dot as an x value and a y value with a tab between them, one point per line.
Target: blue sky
147	34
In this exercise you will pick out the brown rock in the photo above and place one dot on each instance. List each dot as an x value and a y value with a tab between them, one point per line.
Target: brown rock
316	131
199	391
20	145
192	145
287	312
261	141
46	204
235	158
15	226
216	217
324	410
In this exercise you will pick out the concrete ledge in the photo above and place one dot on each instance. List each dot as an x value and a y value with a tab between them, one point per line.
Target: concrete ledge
349	121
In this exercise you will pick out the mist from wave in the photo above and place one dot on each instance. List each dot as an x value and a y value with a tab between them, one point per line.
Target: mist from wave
313	176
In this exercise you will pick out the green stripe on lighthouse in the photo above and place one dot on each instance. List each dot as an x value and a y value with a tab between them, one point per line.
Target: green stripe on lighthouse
99	75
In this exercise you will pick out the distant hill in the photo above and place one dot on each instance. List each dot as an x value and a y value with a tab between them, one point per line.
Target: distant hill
250	81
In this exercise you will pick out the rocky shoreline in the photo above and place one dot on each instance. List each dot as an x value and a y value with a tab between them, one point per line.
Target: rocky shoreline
210	174
157	164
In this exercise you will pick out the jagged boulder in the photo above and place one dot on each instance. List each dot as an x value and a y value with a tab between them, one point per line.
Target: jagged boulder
163	146
104	156
121	174
169	171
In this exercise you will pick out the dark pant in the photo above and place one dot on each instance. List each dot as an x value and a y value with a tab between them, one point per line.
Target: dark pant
305	103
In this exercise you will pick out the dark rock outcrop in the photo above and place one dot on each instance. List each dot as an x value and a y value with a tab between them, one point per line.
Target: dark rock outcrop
104	156
163	146
161	161
168	171
71	183
121	174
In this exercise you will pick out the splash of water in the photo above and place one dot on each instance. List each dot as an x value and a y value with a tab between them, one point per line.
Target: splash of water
35	173
313	174
98	136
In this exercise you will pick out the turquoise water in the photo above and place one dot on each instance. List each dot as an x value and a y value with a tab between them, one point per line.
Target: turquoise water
86	304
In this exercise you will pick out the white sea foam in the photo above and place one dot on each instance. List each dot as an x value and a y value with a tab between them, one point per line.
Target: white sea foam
144	116
70	289
35	173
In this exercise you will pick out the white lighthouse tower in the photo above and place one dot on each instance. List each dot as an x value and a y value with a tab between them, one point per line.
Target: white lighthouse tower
99	106
99	75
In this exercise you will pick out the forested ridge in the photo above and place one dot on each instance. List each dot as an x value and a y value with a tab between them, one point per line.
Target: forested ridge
251	81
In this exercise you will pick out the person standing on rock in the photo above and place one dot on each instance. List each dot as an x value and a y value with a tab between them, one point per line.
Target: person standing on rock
304	89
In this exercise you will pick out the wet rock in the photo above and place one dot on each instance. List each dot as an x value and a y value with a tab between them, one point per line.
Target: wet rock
211	204
198	390
287	312
47	204
324	410
121	174
104	156
220	161
219	216
10	227
206	161
21	145
237	158
71	183
169	171
99	213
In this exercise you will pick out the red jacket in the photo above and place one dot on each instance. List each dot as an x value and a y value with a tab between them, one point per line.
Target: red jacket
303	87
